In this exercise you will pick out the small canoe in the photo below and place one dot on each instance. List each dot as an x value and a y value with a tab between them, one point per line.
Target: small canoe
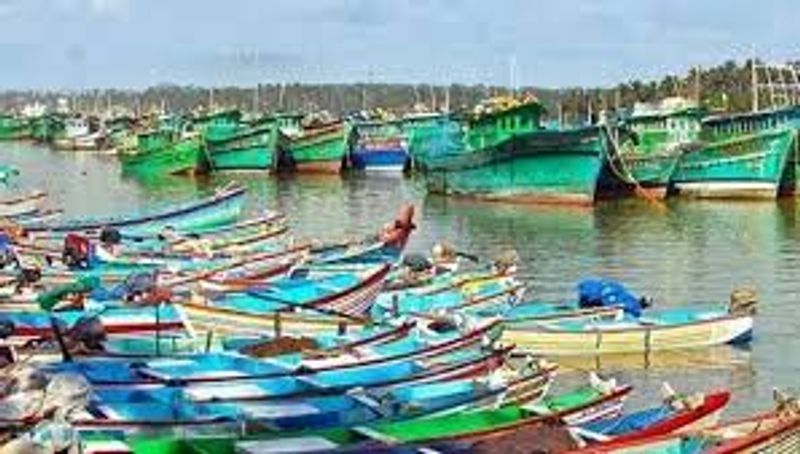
664	330
408	436
36	326
307	304
469	298
132	410
224	205
663	419
231	387
775	431
22	205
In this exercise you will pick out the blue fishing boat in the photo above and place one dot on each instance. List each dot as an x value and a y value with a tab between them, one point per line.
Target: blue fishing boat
675	414
225	205
143	409
379	146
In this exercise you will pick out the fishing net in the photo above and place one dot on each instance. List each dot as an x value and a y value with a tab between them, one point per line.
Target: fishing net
23	393
48	437
67	393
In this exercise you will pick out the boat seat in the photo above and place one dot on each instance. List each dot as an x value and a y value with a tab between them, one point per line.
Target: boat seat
205	393
313	382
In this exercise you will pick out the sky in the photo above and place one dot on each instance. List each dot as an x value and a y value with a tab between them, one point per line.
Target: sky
78	44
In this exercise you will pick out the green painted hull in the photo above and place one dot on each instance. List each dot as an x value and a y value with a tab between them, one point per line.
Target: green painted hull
44	130
418	430
747	166
184	156
322	153
538	167
12	128
653	172
247	150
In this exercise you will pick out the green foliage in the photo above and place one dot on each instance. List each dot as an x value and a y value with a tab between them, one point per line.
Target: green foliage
724	87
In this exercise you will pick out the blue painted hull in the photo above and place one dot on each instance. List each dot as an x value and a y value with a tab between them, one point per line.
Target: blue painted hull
380	160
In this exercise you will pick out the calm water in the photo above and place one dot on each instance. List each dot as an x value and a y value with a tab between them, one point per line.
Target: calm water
694	252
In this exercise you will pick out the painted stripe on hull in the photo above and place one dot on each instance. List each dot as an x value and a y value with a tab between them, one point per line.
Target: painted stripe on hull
318	166
728	189
539	199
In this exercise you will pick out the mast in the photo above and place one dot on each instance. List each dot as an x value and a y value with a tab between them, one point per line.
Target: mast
512	74
255	98
754	83
697	85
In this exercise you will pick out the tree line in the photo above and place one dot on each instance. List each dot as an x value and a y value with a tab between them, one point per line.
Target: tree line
725	87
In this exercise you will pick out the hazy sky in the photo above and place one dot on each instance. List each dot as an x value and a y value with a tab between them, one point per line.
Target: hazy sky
132	43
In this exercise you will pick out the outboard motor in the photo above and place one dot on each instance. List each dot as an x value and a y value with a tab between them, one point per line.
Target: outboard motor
77	251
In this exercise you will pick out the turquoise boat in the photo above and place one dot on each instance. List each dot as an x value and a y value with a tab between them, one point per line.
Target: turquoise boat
747	156
248	148
13	127
164	152
431	135
657	137
508	156
133	409
225	205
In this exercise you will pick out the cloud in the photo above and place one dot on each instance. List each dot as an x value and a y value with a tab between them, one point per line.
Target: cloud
109	8
7	8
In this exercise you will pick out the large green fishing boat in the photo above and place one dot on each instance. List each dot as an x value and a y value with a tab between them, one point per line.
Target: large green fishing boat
750	155
219	125
430	135
45	128
658	136
164	152
315	149
507	155
243	147
14	128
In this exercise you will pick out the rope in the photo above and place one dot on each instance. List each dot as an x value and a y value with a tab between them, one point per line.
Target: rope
625	175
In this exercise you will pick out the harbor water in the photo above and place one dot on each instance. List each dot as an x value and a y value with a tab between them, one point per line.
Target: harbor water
691	253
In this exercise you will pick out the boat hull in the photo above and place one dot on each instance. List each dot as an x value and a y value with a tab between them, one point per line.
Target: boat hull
380	160
247	150
651	172
558	167
222	207
750	166
184	157
253	158
316	151
639	339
